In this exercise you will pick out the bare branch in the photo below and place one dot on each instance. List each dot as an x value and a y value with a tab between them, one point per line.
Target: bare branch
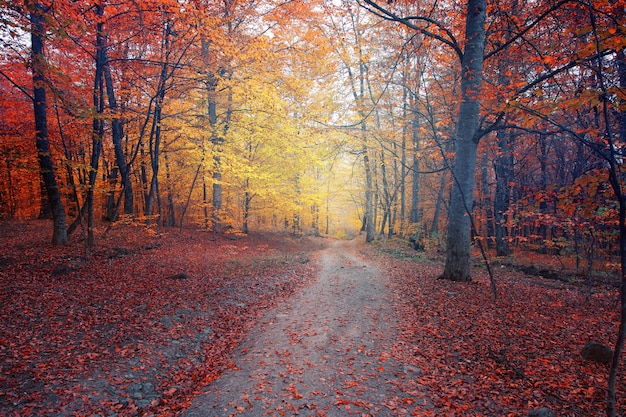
386	14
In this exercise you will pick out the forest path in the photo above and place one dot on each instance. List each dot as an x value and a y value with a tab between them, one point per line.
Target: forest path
323	353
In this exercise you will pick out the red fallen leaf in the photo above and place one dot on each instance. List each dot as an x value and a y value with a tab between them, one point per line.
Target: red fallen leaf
292	389
390	406
408	400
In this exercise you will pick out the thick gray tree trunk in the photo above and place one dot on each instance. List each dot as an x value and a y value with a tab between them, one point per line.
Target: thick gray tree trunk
457	266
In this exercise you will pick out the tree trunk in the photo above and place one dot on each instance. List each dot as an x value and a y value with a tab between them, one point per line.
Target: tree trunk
193	183
403	170
205	202
485	205
98	130
616	183
45	209
415	190
368	217
503	168
117	130
387	194
155	132
543	204
434	228
217	193
155	150
59	232
170	214
247	198
457	266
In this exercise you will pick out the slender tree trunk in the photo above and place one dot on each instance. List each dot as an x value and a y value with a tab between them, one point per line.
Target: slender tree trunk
144	178
617	187
403	168
434	228
415	190
10	190
503	168
155	139
170	217
368	217
386	203
543	205
117	130
457	267
217	193
247	198
155	132
59	232
486	218
193	183
316	220
70	175
205	203
98	130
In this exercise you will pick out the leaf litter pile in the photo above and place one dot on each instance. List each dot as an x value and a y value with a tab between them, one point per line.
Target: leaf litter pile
481	357
140	324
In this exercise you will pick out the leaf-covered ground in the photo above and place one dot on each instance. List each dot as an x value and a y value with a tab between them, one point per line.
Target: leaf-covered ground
136	325
481	357
141	323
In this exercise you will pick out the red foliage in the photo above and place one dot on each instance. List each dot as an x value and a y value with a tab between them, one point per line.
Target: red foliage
482	358
136	326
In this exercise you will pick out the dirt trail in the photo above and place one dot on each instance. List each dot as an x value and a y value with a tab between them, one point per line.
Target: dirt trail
324	353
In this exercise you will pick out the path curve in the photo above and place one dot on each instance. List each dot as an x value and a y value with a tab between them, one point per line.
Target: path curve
323	353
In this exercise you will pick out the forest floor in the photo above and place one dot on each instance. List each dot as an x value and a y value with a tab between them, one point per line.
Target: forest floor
197	324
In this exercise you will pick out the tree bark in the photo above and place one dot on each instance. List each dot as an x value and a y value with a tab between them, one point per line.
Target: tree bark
59	232
98	130
503	167
217	161
368	216
434	228
117	130
155	133
616	183
457	267
415	189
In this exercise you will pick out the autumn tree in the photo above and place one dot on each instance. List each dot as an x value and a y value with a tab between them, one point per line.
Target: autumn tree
591	114
37	13
471	59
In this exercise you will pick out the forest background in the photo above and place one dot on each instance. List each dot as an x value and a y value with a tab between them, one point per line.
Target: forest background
315	117
321	117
